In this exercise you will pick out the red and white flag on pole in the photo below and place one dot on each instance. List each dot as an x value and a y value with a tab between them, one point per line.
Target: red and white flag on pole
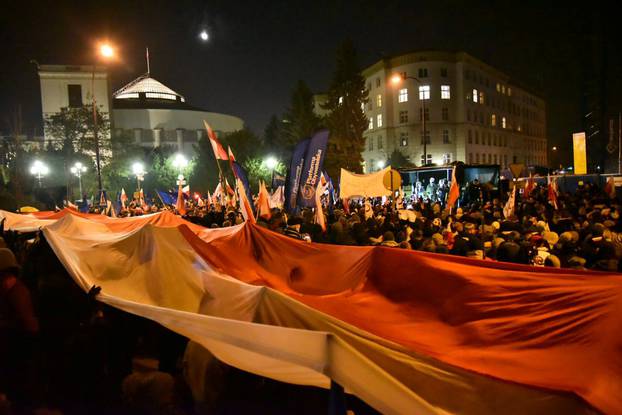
319	211
245	205
529	187
454	190
263	204
610	187
552	193
181	203
219	151
123	198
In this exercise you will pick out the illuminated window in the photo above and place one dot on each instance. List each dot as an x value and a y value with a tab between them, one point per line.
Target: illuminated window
481	97
445	114
371	124
128	95
445	92
503	125
503	89
429	161
498	87
475	95
509	91
340	100
378	120
493	120
446	158
379	101
446	137
424	92
403	95
159	95
403	117
404	139
362	107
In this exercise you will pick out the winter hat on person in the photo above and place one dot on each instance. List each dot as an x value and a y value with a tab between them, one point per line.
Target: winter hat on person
550	237
8	262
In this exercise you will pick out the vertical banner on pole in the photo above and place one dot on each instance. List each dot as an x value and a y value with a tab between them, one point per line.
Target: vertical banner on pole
578	149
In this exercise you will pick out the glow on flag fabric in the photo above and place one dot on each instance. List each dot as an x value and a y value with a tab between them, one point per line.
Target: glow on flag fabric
406	331
454	190
510	205
363	185
219	151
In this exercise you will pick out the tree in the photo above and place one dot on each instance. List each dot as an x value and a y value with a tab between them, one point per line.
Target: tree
300	118
274	139
398	161
346	120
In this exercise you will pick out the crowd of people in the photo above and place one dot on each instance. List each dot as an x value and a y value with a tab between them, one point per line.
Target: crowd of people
584	230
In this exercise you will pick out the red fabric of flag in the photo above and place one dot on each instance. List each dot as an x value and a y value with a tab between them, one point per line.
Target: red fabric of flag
219	151
454	190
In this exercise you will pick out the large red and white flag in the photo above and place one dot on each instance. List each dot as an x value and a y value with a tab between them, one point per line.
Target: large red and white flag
552	192
529	187
219	151
245	205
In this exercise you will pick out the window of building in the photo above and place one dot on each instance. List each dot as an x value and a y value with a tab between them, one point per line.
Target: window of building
423	72
378	120
340	100
476	137
470	137
489	158
370	143
509	91
481	97
503	89
493	120
403	95
445	113
446	137
425	136
427	114
470	158
378	100
429	159
498	87
444	72
371	123
74	93
476	158
481	118
495	158
445	92
371	165
446	158
424	92
403	117
380	142
489	140
494	140
404	139
475	95
377	82
503	124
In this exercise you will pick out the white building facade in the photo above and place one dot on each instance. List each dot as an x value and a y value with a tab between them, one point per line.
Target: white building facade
473	113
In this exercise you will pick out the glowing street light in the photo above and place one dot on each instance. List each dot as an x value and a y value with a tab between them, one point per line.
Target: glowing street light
39	169
106	50
180	162
139	171
77	169
203	35
380	164
271	162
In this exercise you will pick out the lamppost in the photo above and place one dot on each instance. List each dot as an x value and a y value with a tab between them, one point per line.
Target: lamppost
396	80
105	51
77	170
39	169
271	163
139	172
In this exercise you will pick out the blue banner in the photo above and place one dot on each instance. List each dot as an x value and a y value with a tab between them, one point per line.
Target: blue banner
240	173
167	198
294	173
277	180
314	161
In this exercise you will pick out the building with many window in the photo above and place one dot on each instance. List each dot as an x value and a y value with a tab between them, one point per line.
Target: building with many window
473	113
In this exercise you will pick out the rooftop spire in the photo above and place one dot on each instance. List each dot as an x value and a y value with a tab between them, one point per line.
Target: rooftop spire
148	71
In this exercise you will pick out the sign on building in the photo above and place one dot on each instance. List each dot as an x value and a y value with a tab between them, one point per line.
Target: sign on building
578	149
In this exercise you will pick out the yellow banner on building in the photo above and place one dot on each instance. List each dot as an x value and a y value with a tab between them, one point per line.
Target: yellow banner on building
578	149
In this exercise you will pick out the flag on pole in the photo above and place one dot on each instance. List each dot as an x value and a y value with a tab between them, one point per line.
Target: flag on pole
510	205
529	187
294	173
552	192
277	199
123	198
219	151
319	211
181	203
245	205
141	199
454	190
610	187
263	205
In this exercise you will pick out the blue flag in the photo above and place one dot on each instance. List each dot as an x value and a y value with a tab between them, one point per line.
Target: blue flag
314	161
277	180
166	198
292	184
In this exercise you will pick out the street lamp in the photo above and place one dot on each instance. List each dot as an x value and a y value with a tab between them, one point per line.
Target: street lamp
39	169
139	172
107	52
396	80
380	164
271	163
77	170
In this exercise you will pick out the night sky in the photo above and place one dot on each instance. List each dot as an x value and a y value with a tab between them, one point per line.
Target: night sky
257	50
